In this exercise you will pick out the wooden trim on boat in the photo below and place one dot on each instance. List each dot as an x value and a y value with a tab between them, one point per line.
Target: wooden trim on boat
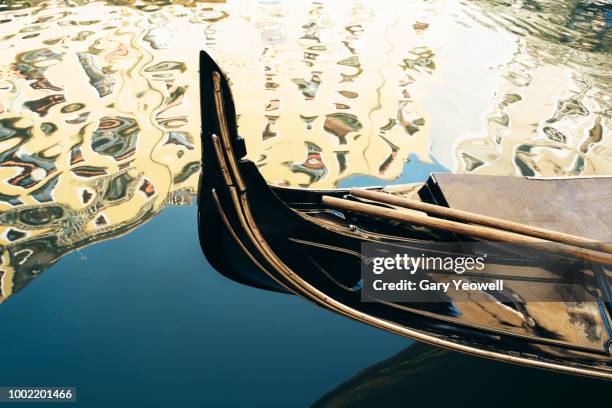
331	247
485	220
475	231
218	151
220	109
241	245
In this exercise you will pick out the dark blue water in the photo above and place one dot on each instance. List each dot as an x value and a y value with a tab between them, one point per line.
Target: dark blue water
143	320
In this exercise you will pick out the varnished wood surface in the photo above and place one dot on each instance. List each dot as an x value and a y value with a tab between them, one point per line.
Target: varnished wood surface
577	206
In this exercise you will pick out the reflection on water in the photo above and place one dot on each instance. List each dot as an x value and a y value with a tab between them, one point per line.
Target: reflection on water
422	375
550	114
99	101
97	130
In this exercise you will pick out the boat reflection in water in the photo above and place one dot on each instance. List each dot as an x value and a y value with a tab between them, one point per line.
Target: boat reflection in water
422	375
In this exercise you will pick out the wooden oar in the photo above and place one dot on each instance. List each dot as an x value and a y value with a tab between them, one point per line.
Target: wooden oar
475	231
479	219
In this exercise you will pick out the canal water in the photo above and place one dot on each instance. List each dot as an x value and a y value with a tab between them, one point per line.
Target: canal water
102	282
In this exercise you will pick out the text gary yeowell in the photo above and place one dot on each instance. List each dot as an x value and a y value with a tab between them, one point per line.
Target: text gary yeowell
458	284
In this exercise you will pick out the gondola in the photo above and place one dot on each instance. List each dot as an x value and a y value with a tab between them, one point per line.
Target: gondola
297	241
